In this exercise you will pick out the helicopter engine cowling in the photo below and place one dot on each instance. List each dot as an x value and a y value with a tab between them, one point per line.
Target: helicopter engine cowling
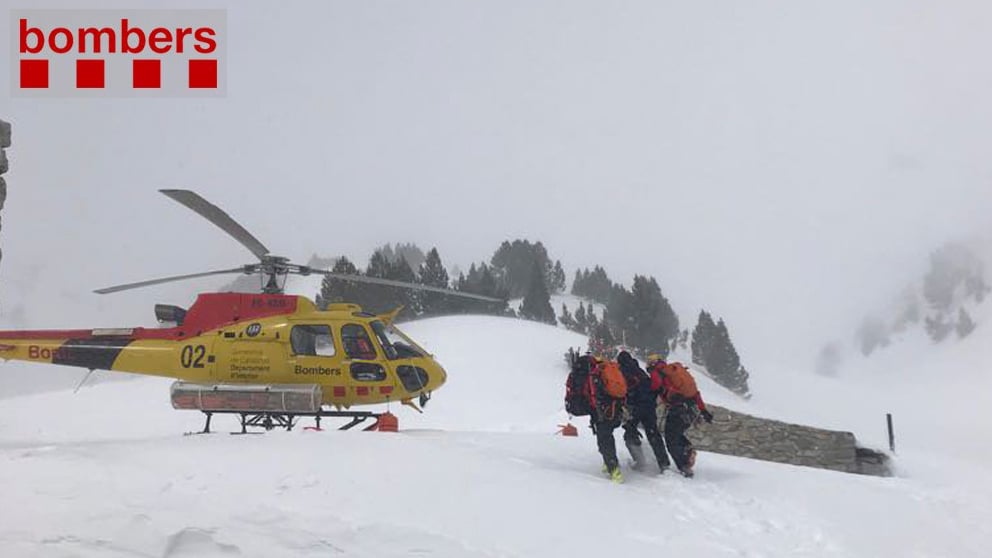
167	313
276	398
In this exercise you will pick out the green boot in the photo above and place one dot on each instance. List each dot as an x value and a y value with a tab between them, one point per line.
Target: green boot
616	476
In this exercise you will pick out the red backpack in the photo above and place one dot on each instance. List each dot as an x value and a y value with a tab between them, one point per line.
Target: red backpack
578	396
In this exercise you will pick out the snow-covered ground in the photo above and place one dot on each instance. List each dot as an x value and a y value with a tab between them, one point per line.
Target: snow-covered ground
107	472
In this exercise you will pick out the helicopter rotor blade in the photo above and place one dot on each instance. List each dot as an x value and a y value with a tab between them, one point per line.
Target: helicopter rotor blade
219	217
405	285
150	282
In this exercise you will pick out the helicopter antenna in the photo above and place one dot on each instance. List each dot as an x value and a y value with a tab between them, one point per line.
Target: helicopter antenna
83	381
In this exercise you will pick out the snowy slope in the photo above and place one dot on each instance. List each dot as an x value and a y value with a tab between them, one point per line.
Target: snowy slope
106	472
940	395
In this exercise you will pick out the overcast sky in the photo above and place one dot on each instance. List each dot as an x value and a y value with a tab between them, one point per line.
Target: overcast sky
784	164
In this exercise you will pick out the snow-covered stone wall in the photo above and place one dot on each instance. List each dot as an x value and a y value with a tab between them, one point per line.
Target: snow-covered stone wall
745	435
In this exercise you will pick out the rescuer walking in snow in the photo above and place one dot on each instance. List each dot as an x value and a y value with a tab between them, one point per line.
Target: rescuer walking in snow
597	388
683	404
642	405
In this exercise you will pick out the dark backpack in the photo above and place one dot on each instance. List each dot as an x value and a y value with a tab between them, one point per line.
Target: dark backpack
578	399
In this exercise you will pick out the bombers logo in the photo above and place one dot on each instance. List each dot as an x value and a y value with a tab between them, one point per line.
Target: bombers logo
115	53
315	370
43	353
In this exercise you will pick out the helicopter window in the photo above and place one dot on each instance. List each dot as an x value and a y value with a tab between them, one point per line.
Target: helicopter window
367	372
414	378
357	343
387	344
312	340
393	342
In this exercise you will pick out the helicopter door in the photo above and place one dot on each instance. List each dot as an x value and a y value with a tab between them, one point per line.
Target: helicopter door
370	380
315	358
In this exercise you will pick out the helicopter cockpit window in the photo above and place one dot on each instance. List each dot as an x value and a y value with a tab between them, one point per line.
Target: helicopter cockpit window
357	343
312	340
387	344
414	378
393	342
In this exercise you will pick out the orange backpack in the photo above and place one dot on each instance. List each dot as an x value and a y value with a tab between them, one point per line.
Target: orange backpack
680	380
612	379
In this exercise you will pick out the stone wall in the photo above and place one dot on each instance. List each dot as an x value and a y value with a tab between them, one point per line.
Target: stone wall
744	435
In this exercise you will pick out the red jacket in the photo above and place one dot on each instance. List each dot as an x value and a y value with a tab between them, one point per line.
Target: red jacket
673	380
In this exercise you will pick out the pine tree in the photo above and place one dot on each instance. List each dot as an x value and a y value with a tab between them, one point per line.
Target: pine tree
557	278
702	337
653	324
620	304
591	321
938	327
387	252
338	290
599	285
594	285
464	282
433	274
410	299
411	253
379	264
565	318
581	323
724	364
953	266
480	280
601	335
513	264
965	324
537	302
712	348
578	284
381	298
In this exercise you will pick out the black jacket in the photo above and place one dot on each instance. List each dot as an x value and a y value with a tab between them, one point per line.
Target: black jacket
638	382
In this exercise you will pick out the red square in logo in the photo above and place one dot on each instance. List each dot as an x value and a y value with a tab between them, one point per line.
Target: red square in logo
203	74
89	74
146	74
34	74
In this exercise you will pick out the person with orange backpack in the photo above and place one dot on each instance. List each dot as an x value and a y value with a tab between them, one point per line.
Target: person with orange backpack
597	388
609	389
683	404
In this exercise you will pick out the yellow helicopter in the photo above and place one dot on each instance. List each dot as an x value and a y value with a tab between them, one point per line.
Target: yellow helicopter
268	357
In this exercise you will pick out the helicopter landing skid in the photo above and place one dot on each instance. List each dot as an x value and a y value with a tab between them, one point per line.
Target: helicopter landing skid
270	421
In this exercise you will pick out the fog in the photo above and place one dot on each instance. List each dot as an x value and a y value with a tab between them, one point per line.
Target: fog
784	165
